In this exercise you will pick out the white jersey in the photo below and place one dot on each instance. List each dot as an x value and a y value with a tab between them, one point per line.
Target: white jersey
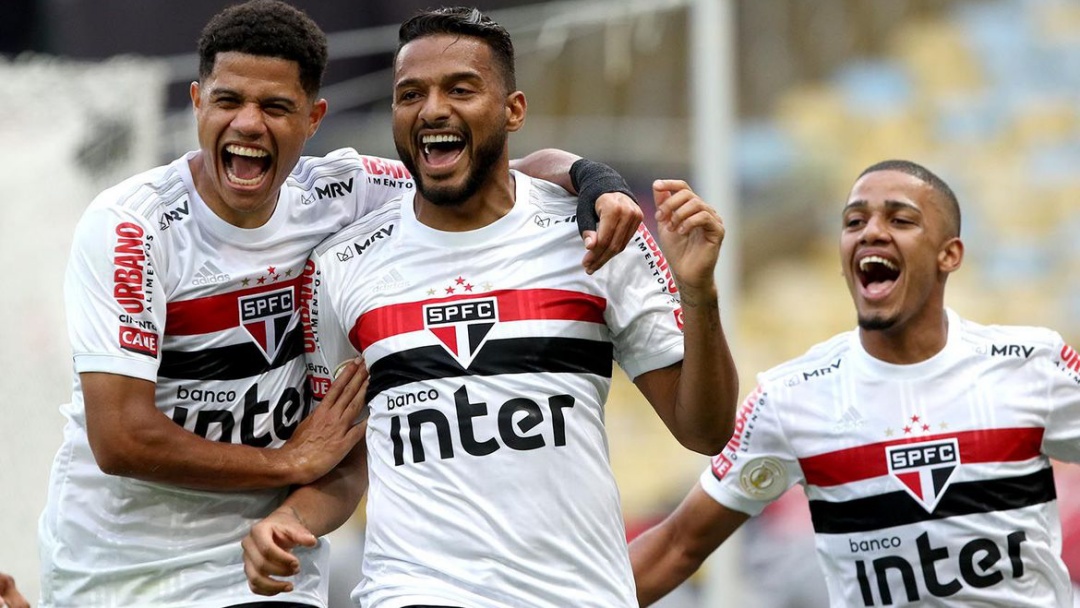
929	484
490	354
160	288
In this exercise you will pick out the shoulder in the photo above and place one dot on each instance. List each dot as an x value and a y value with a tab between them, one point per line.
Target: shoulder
343	163
1020	342
548	197
378	225
828	355
146	195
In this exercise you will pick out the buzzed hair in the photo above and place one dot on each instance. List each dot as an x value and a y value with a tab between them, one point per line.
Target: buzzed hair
951	206
266	28
464	21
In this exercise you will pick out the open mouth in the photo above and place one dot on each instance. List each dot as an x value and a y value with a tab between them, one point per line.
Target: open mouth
246	166
442	149
877	274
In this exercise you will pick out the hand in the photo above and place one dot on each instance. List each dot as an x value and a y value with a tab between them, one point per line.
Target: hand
268	551
690	233
9	595
620	217
333	427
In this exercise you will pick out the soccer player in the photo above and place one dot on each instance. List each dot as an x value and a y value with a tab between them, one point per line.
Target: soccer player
189	419
490	353
922	439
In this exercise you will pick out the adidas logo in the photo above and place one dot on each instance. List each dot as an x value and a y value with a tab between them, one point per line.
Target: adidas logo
208	274
850	420
390	280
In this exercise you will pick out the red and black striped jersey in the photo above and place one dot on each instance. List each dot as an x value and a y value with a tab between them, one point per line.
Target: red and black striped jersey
490	354
929	484
160	288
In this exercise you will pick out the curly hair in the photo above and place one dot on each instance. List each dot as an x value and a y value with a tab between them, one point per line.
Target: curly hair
267	28
464	21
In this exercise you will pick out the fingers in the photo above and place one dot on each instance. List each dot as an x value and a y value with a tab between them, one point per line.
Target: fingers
346	385
9	594
266	555
619	218
679	209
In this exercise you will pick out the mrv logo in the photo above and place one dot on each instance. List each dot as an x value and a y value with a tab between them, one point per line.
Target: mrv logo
924	469
267	318
462	326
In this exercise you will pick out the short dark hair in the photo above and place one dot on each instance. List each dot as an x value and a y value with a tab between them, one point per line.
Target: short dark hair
268	28
951	207
464	21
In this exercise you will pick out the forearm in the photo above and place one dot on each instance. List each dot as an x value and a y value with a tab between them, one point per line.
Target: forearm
659	564
549	164
163	452
327	503
708	389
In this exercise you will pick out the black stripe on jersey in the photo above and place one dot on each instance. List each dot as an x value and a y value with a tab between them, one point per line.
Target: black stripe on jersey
512	356
229	362
899	508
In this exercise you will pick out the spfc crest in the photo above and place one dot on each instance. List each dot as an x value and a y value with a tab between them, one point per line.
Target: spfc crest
268	317
462	326
924	469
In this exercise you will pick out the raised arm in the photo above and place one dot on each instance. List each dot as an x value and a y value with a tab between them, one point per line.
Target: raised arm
608	215
696	398
667	554
132	438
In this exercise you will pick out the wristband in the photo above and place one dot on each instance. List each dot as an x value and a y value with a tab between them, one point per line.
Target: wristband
592	180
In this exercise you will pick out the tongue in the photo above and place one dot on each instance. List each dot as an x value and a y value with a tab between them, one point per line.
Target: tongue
246	167
878	287
442	156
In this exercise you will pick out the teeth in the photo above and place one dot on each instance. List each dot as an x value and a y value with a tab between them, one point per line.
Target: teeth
244	182
245	151
874	259
444	138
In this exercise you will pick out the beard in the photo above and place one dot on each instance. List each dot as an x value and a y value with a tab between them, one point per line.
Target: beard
876	323
486	154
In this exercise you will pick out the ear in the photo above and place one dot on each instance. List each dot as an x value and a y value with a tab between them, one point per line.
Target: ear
318	112
193	91
515	110
951	255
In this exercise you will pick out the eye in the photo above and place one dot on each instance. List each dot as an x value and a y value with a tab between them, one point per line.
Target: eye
853	222
405	96
460	91
276	109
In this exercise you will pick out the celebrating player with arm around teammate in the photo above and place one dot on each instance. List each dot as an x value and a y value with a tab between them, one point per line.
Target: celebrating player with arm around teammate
922	439
490	352
190	418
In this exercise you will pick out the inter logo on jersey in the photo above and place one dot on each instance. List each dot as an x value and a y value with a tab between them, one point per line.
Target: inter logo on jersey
925	468
267	318
462	326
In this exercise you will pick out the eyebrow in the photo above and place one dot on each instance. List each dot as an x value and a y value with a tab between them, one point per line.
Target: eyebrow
890	205
227	92
453	77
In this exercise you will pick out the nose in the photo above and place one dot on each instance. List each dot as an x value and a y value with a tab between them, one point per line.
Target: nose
876	229
248	120
435	109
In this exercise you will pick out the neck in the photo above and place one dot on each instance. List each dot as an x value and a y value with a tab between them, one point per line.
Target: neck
493	200
913	341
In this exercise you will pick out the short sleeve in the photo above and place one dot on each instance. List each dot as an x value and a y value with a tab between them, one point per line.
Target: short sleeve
643	310
113	295
326	340
383	180
757	465
1061	439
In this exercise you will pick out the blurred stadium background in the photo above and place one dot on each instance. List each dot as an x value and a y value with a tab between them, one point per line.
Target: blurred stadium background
769	107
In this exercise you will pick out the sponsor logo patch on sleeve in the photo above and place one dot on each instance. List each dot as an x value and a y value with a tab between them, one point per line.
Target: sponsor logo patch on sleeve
139	341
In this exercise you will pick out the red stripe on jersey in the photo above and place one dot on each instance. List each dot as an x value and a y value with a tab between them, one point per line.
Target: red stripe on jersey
868	461
215	313
514	305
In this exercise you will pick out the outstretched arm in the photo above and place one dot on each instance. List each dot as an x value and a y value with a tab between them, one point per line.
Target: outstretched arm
667	554
696	398
608	215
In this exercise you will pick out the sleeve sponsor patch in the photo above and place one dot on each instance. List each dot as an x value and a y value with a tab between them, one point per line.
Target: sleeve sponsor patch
139	341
